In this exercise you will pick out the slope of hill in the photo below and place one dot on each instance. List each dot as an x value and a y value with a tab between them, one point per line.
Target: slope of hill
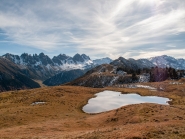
64	77
119	71
11	77
122	71
102	76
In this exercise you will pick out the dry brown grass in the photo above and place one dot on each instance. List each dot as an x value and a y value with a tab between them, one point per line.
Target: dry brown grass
62	116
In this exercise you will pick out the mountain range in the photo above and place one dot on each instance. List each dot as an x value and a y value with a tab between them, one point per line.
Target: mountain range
159	61
42	67
62	68
168	61
51	71
124	71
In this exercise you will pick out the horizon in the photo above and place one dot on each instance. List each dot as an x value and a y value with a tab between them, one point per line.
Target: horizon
113	28
89	56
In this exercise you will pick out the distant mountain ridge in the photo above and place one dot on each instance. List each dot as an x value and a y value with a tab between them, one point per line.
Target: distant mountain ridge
168	61
105	60
61	61
132	64
159	61
42	67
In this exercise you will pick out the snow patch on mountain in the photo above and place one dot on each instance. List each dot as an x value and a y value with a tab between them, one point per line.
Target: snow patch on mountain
168	61
102	61
42	67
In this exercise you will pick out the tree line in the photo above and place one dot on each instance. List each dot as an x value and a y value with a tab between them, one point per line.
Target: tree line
157	74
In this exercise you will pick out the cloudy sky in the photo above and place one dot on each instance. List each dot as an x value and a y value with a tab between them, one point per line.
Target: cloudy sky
98	28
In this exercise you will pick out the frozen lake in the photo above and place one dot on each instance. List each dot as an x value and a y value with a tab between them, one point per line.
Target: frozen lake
109	100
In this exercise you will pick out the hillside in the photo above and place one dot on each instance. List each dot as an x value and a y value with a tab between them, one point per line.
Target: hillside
64	77
123	73
61	115
102	76
11	77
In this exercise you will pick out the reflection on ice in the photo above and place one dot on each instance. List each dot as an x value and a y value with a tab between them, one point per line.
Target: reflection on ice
108	100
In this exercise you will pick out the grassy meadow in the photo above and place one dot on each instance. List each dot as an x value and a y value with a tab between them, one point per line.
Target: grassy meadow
61	115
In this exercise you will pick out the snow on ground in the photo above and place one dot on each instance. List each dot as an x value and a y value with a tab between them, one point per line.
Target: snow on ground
139	86
113	80
145	86
67	66
175	83
36	103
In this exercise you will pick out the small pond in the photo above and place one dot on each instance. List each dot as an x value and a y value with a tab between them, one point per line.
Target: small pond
109	100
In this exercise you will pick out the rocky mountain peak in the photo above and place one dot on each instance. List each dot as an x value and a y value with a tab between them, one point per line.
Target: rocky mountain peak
62	57
45	59
168	61
79	58
122	59
24	55
42	54
84	56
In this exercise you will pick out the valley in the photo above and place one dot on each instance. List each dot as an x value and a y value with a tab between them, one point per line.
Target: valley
96	69
43	98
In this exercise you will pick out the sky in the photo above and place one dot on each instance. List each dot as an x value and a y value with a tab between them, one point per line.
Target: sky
98	28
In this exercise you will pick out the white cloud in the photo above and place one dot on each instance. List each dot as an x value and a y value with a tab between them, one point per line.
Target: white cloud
98	28
177	53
